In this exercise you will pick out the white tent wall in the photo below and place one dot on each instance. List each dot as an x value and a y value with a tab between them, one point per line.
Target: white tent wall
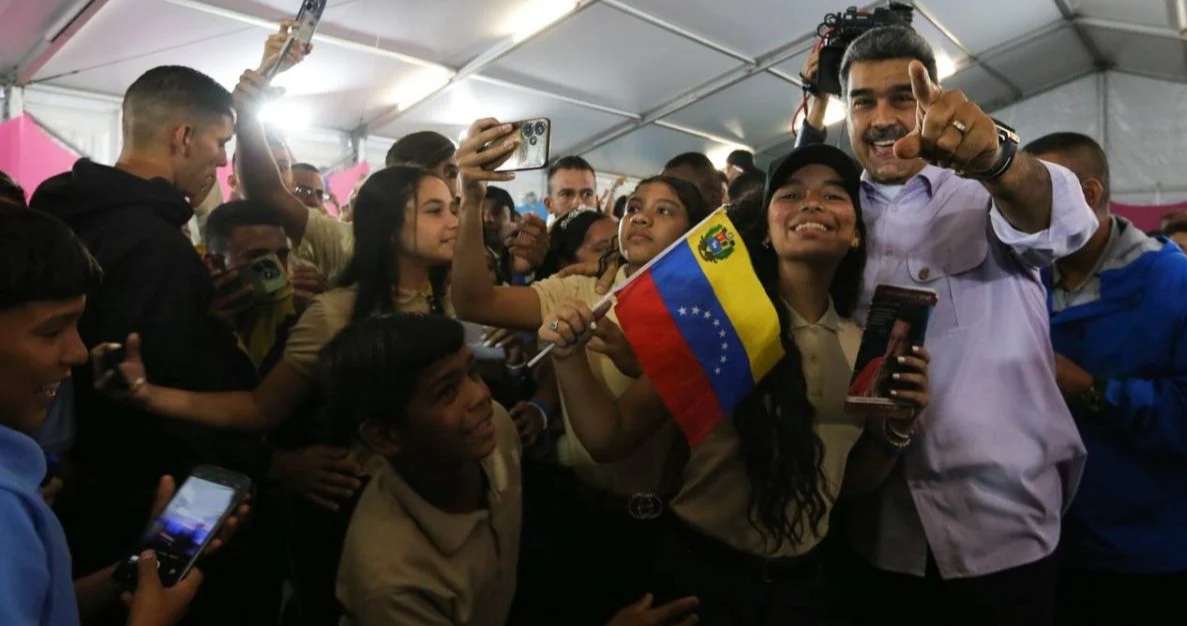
1141	122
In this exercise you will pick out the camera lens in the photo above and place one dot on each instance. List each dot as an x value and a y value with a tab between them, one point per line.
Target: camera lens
540	128
265	270
527	130
531	141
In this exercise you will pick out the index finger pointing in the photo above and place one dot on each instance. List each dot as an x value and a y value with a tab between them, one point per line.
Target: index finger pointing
922	87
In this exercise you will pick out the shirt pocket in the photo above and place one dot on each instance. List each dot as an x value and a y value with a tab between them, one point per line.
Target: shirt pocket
942	267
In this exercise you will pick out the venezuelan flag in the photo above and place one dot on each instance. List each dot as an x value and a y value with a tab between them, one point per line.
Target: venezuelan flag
701	325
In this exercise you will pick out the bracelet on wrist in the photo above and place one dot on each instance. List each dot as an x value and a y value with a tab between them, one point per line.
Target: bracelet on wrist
544	409
896	443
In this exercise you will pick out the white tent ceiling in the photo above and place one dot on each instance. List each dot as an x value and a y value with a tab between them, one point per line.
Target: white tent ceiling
628	83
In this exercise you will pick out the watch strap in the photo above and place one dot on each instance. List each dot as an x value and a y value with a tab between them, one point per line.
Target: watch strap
1008	140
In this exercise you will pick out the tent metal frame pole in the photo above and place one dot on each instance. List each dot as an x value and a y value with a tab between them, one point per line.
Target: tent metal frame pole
320	37
14	102
60	33
1102	105
1015	90
52	132
1133	29
481	62
685	33
349	44
1076	21
713	86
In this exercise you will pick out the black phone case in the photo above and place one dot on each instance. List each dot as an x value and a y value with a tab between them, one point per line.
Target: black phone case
171	568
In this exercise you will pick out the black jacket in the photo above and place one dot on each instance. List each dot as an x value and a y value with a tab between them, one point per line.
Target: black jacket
154	284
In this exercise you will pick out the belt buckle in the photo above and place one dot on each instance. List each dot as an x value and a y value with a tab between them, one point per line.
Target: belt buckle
645	506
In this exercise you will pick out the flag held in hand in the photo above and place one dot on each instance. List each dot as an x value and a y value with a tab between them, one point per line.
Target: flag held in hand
701	325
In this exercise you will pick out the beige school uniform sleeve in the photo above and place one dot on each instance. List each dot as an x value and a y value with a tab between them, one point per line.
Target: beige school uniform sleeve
326	244
554	291
326	316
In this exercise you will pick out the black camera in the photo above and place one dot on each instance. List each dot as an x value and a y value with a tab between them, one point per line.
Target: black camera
838	30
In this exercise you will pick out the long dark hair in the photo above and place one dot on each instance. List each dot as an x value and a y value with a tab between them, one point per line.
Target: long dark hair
379	213
565	237
775	424
371	369
425	149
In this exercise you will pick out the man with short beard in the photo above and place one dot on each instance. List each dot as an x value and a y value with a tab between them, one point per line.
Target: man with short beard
964	529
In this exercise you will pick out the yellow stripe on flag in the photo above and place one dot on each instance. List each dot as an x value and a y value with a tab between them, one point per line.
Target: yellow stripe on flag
737	288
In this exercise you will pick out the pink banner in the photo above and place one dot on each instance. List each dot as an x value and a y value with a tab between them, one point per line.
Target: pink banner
1146	217
342	183
30	155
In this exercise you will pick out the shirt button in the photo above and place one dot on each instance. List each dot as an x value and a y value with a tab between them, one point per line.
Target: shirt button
924	273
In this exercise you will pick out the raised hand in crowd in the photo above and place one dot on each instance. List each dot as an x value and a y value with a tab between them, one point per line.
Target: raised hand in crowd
479	155
950	131
529	246
275	44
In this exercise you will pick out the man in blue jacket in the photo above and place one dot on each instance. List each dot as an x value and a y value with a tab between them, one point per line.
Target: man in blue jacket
1119	328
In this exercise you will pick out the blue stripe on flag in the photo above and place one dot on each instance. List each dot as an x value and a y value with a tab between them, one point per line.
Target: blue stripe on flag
710	335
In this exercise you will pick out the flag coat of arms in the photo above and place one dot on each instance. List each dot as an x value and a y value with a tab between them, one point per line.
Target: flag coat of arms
701	325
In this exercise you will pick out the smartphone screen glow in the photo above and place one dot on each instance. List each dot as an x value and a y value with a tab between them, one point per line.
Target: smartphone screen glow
185	525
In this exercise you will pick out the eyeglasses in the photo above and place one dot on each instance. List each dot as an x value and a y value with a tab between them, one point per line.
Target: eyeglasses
309	192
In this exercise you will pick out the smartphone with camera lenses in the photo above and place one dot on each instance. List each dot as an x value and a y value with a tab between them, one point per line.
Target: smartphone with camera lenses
535	137
308	17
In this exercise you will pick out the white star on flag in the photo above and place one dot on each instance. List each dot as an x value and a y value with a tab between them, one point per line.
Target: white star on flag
717	322
725	346
696	310
722	333
708	315
683	311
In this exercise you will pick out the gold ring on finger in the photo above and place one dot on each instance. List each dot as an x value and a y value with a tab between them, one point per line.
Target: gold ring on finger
960	126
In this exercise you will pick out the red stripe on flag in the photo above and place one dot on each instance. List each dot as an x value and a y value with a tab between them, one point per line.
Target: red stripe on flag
669	362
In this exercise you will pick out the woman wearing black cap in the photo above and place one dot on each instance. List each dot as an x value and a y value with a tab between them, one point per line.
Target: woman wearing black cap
748	520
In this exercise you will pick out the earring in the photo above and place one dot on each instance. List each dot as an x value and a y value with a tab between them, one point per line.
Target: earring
766	242
856	244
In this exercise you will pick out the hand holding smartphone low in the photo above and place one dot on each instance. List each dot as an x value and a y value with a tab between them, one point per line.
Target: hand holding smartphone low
167	488
189	526
152	604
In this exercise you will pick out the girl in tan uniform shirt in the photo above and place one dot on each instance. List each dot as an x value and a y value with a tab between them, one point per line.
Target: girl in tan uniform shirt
757	491
603	545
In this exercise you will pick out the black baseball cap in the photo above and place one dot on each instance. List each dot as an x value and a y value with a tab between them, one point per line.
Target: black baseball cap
816	154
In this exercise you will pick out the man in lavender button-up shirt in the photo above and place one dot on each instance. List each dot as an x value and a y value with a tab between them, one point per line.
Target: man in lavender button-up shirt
963	530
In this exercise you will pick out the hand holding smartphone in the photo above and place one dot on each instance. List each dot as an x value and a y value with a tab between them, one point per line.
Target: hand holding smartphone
188	525
299	36
535	143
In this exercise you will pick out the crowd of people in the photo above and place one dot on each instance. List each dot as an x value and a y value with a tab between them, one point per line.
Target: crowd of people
368	370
